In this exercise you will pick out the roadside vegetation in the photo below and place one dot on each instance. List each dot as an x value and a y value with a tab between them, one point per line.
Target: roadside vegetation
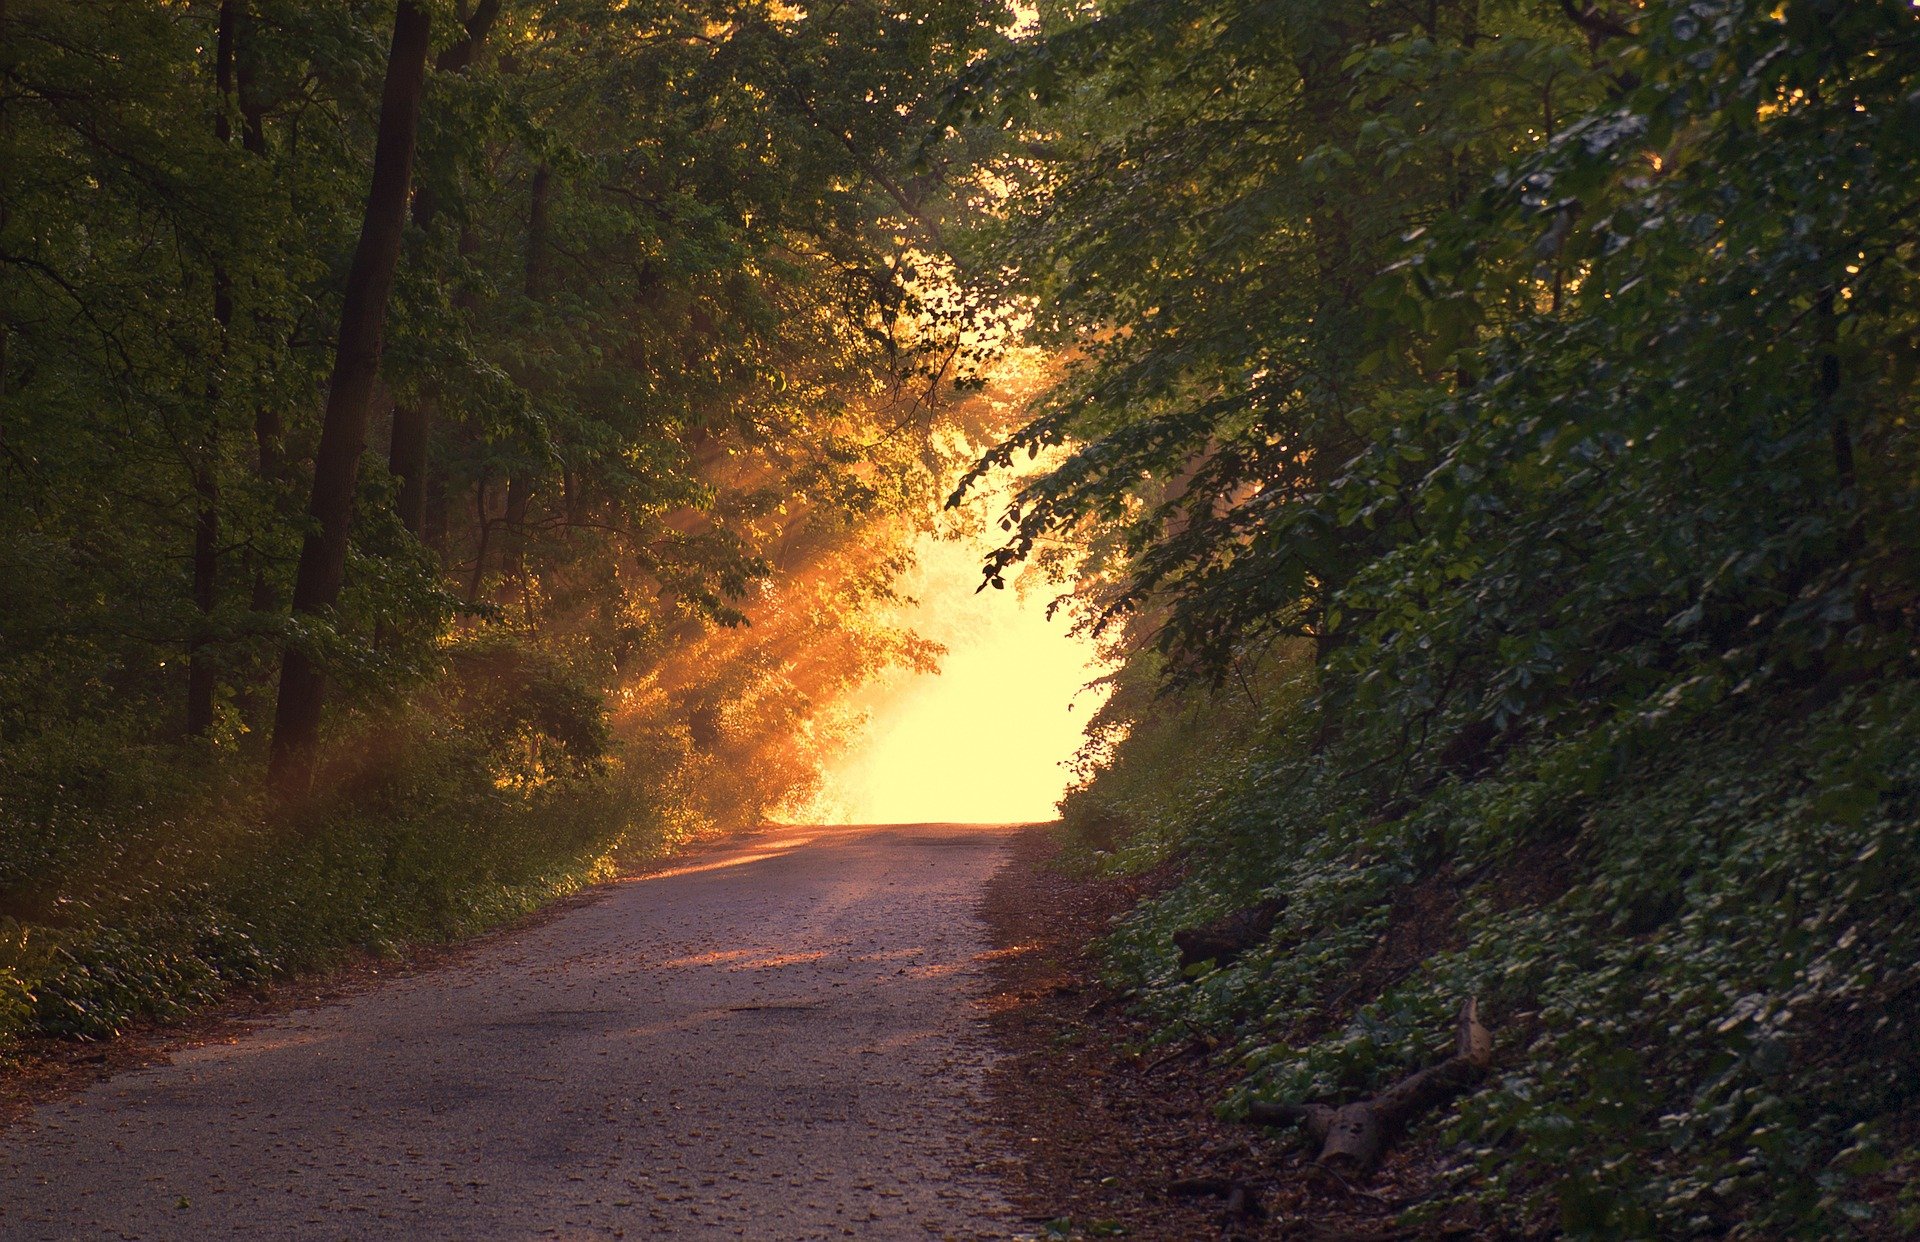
1490	442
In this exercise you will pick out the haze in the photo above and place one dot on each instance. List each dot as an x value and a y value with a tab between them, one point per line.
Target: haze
986	739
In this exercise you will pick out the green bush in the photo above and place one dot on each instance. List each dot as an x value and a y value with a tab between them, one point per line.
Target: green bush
142	882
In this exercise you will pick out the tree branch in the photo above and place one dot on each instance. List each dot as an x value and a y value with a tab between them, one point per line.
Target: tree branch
1596	23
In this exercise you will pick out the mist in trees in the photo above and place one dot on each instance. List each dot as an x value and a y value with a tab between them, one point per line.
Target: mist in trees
629	332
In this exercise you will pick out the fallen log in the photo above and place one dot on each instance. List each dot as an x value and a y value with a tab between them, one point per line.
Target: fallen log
1353	1137
1230	935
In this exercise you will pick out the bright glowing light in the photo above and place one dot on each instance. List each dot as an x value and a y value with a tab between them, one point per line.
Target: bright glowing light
983	740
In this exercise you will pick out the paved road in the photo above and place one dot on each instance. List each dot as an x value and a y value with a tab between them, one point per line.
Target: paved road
775	1041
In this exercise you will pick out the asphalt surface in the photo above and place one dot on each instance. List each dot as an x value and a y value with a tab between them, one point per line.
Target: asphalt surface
774	1041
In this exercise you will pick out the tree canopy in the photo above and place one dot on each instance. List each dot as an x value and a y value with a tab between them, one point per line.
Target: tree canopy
649	337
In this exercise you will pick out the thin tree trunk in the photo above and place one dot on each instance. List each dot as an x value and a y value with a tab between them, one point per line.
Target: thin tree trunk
514	522
537	199
343	435
202	684
407	459
438	519
407	456
267	431
520	483
480	543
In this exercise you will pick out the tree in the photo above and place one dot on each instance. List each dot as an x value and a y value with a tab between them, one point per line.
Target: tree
323	555
654	338
1205	254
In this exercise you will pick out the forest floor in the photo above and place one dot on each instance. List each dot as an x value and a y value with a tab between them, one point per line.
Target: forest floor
1119	1137
776	1039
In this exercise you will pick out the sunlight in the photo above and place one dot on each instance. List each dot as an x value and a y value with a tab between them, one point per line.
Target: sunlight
737	860
985	739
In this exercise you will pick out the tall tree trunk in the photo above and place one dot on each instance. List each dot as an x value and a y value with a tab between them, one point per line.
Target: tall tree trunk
407	459
438	519
413	420
520	484
513	569
479	576
537	224
201	681
267	430
343	434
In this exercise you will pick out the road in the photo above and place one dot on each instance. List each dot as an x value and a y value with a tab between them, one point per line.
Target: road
777	1040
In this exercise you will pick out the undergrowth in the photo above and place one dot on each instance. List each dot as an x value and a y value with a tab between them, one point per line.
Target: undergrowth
140	882
1691	926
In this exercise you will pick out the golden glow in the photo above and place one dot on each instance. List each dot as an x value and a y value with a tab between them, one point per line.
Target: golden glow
985	739
697	868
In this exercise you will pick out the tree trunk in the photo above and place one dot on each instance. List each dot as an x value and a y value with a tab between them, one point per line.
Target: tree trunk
407	460
343	434
513	568
480	541
537	233
520	483
413	420
201	683
201	680
438	520
267	431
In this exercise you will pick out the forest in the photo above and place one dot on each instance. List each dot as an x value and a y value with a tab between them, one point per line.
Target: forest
451	450
422	400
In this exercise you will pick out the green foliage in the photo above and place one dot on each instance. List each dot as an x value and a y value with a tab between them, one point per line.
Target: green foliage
670	321
1207	252
145	886
1150	764
1551	370
662	317
524	702
1701	976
